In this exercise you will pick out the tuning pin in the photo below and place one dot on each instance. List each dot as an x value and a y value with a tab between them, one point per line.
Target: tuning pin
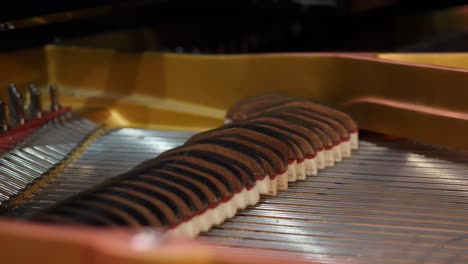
16	106
35	106
54	98
3	118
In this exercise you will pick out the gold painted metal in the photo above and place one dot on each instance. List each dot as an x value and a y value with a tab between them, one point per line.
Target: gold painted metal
410	98
455	60
22	68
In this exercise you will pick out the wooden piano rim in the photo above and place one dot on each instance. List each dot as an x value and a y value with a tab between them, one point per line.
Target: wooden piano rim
152	88
61	244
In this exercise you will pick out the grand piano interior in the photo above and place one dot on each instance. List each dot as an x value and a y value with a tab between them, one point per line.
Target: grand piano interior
118	82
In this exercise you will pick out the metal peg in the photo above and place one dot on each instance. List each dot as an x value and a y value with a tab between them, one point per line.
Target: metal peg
16	104
3	118
54	98
35	106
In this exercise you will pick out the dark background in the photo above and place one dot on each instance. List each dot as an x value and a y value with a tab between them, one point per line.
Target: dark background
238	26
